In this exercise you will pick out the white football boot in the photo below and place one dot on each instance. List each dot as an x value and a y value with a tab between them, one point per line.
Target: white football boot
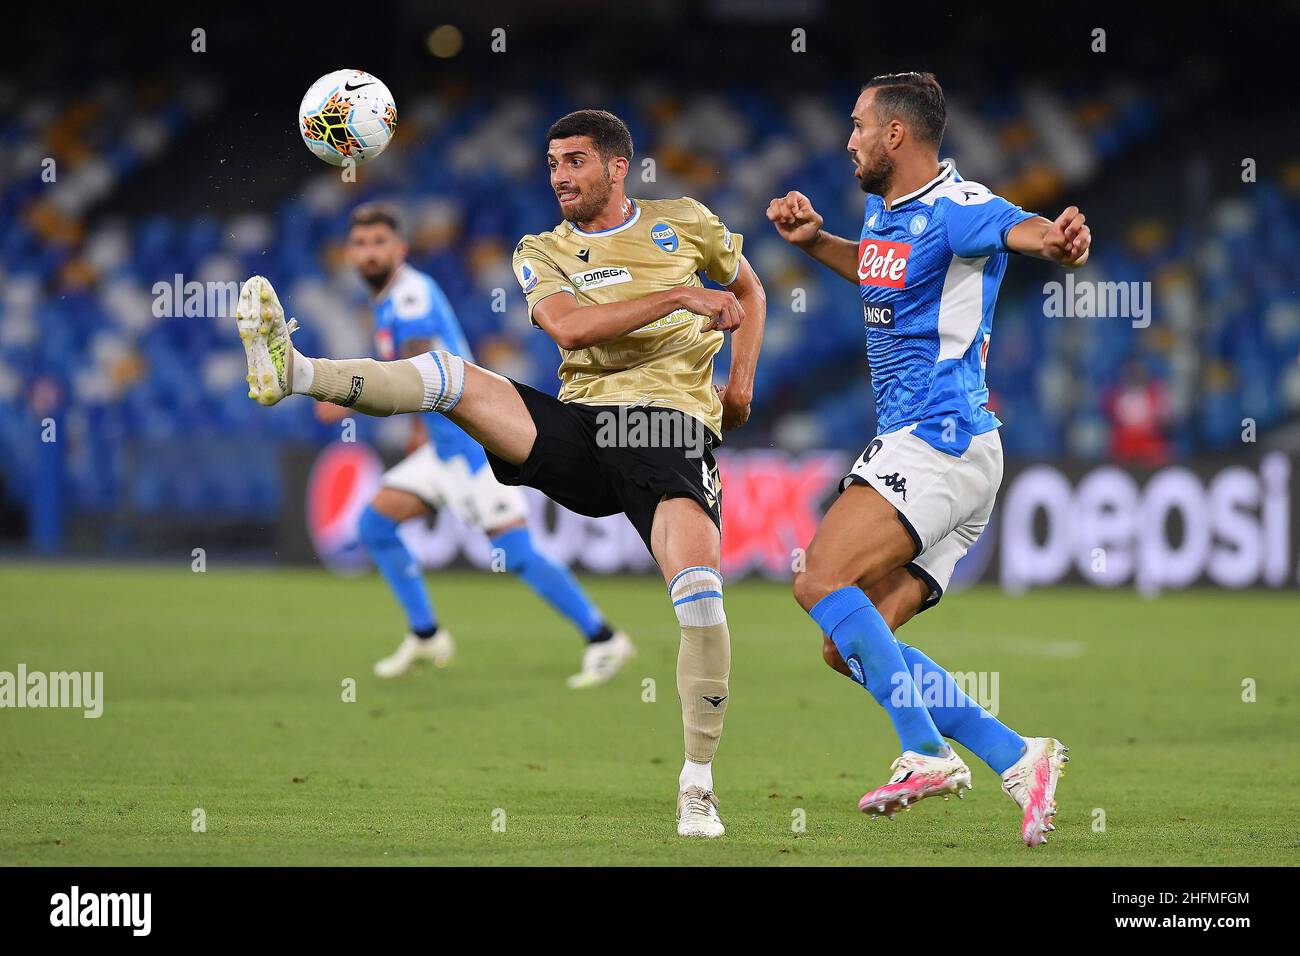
440	649
917	776
1031	782
602	660
697	813
265	335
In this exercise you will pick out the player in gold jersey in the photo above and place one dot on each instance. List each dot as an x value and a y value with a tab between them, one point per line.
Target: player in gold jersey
617	286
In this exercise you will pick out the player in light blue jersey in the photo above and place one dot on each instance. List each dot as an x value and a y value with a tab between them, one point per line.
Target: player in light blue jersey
928	263
445	468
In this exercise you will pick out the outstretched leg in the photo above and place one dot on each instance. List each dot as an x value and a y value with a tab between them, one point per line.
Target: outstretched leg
483	403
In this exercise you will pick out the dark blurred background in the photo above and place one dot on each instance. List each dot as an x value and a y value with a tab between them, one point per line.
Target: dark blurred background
173	162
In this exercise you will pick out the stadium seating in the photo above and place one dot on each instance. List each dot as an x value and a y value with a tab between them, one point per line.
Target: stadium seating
155	405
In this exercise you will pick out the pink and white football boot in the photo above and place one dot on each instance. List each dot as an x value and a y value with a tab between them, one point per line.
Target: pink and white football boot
917	776
1031	782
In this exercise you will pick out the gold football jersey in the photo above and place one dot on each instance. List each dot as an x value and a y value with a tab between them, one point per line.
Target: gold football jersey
662	245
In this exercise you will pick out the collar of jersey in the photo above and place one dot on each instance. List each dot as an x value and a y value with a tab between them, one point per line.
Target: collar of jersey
947	170
636	214
386	293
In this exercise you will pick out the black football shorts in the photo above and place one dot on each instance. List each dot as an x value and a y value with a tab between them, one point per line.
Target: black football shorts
600	460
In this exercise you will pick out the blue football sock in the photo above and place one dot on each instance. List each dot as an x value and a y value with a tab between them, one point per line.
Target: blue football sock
551	580
961	719
400	570
867	645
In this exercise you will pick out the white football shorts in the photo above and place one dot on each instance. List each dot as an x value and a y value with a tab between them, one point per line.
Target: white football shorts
477	498
944	501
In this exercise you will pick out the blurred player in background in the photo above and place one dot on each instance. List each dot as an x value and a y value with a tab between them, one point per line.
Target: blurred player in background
617	286
932	253
445	468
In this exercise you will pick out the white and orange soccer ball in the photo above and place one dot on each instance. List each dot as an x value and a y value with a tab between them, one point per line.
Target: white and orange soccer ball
347	115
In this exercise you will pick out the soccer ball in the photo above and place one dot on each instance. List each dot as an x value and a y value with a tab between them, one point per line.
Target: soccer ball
347	115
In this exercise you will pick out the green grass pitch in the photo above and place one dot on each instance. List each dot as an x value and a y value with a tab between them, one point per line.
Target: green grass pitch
224	691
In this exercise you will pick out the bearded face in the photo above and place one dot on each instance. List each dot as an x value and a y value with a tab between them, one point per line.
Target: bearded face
874	166
583	202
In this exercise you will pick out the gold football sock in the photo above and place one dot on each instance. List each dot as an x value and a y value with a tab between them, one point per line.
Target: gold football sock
432	382
703	660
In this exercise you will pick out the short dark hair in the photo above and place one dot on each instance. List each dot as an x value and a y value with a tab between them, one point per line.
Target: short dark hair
914	98
376	214
608	133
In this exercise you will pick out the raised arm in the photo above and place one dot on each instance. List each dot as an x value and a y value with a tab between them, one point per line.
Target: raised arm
799	224
1066	241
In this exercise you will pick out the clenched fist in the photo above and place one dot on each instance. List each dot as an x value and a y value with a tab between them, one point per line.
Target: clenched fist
796	221
735	406
1068	240
722	309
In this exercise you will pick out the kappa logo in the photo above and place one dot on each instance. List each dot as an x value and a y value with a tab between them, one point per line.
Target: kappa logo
895	483
606	275
883	263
